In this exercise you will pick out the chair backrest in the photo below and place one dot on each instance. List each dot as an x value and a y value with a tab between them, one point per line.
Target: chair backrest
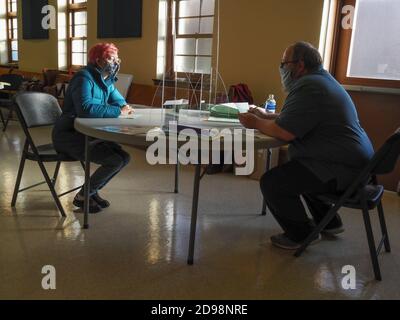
50	77
15	80
384	160
37	109
124	83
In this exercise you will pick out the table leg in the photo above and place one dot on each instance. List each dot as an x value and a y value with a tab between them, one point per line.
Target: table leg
195	204
267	167
87	183
177	175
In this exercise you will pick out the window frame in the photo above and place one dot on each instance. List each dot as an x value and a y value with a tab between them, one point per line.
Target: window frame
341	55
11	16
71	9
173	34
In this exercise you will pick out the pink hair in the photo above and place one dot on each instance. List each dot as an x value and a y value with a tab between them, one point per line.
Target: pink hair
101	51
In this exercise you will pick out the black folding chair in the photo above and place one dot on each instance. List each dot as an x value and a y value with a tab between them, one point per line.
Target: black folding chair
15	81
364	194
35	110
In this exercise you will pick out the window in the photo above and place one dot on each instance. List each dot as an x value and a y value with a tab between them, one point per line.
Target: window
327	31
367	48
12	31
371	55
190	27
77	33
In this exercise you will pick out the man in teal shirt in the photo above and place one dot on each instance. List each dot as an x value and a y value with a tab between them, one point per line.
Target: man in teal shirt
327	145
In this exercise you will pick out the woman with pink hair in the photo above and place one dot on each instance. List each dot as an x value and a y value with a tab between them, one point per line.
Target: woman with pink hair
92	94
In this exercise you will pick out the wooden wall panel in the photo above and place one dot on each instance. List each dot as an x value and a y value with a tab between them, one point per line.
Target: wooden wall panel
380	117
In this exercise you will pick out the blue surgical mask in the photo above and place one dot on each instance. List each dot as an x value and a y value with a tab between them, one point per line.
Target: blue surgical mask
286	78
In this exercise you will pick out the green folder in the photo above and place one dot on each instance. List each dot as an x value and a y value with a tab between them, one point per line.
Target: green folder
222	111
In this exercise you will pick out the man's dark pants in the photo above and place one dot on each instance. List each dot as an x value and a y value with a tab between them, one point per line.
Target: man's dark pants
282	188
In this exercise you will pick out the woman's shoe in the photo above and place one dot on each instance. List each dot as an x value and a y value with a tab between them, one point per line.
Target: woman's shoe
103	203
79	201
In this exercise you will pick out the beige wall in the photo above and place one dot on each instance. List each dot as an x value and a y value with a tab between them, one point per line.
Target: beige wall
139	55
34	55
253	35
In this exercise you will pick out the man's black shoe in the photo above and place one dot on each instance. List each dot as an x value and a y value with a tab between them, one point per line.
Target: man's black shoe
214	169
334	227
333	231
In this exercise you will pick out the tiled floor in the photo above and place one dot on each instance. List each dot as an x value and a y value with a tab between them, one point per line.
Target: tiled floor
137	249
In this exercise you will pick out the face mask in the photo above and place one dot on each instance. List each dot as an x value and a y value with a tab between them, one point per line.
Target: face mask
112	68
287	80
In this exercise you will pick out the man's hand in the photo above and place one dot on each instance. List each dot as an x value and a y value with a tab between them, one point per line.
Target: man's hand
127	110
249	120
265	126
262	113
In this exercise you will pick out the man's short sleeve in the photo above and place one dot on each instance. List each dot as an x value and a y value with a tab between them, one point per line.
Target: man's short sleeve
300	112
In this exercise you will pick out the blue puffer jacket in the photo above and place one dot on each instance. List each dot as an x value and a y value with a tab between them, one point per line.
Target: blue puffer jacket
90	96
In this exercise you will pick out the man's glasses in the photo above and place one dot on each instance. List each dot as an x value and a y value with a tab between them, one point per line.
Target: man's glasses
287	62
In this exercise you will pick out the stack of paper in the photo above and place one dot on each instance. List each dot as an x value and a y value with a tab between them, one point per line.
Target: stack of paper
176	102
226	120
128	130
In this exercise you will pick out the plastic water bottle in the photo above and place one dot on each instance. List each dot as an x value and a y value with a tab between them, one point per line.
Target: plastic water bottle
270	105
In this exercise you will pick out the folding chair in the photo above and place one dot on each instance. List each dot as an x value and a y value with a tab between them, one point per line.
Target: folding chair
2	117
15	82
124	83
364	194
35	110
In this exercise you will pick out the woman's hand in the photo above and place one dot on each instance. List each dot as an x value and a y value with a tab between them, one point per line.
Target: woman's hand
127	110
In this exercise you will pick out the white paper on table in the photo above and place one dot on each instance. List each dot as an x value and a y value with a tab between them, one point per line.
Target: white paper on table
129	116
127	130
155	132
226	120
176	102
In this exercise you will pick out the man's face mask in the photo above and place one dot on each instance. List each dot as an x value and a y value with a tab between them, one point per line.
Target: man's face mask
286	78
